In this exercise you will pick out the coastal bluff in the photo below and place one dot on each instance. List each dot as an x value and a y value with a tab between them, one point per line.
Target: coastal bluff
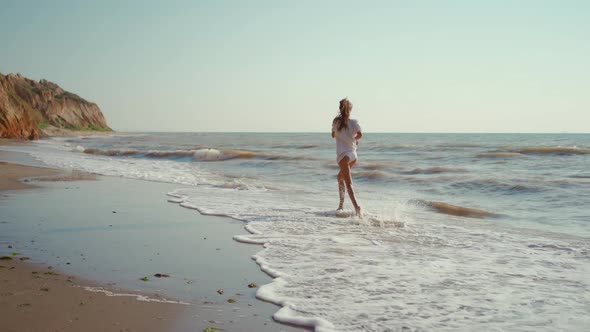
31	109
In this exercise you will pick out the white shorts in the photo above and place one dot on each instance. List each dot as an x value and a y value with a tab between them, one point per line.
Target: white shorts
350	154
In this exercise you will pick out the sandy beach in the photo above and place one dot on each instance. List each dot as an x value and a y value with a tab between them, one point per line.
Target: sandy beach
87	240
35	298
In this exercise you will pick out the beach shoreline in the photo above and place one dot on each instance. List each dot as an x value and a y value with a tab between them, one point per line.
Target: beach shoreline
46	292
36	297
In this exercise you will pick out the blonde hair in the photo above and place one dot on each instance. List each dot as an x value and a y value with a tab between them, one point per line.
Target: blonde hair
342	118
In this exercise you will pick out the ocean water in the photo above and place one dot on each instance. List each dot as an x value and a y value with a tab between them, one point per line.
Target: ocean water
462	232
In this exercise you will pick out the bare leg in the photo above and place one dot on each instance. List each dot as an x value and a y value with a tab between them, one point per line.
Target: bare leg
341	188
345	170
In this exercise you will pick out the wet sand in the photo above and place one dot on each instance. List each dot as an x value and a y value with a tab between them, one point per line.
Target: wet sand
10	175
35	298
110	234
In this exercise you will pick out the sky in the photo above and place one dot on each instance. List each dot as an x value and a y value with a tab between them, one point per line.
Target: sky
282	66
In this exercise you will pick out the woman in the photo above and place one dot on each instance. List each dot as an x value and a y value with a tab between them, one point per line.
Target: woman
347	133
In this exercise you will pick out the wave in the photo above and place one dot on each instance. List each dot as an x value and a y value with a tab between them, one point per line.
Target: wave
199	155
308	146
134	152
380	164
213	154
458	145
434	170
291	146
492	185
542	246
169	154
534	150
370	175
383	147
560	150
499	154
454	210
108	152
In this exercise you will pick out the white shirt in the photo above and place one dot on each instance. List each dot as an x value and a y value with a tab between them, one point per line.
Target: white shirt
345	141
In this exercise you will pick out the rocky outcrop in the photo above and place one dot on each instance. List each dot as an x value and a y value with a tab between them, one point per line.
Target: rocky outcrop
27	107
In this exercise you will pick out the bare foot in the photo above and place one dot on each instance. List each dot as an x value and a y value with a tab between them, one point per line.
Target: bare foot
359	213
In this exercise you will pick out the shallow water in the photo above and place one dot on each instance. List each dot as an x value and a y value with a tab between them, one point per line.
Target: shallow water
462	232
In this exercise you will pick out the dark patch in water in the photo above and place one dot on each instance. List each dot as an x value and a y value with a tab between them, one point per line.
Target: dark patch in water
434	170
558	150
454	210
374	166
308	146
370	175
391	147
287	146
520	187
112	152
492	185
500	155
534	150
458	145
170	154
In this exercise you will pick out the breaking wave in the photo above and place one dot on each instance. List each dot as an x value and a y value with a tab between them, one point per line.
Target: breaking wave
199	155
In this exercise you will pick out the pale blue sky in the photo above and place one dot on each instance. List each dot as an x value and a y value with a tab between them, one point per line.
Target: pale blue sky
407	66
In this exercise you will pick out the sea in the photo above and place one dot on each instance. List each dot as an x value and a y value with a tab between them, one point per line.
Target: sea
461	232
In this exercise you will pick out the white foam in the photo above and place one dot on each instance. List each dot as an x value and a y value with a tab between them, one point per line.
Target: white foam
57	153
208	154
289	316
339	274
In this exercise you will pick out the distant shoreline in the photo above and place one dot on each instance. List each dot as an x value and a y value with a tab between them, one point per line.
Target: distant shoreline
51	131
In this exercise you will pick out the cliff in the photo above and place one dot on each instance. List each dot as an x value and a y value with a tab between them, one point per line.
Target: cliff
30	109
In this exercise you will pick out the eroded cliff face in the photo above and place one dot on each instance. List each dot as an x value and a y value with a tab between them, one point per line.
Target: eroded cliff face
28	106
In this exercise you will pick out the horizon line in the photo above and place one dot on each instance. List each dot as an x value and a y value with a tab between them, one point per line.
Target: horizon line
368	132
